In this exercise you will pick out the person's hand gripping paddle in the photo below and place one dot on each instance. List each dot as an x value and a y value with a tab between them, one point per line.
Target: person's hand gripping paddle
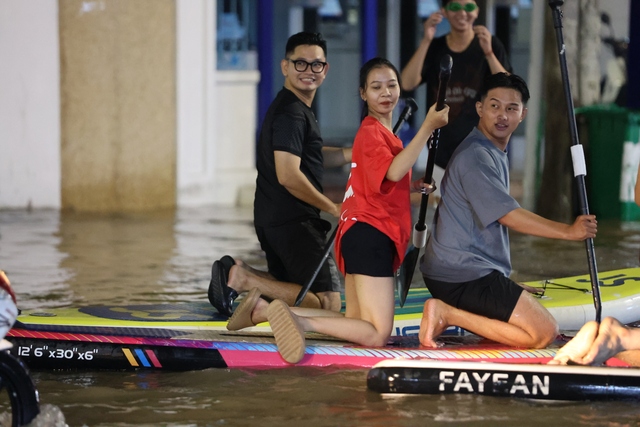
409	108
405	272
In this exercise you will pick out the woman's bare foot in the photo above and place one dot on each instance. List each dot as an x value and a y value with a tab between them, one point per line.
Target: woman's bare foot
433	322
242	316
259	313
608	343
578	347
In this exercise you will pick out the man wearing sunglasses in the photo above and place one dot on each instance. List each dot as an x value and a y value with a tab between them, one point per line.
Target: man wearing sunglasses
476	54
289	196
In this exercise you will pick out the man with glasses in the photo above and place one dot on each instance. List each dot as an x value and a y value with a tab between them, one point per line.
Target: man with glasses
476	54
289	196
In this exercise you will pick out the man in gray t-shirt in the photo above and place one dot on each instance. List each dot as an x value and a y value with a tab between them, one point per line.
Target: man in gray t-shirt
473	243
467	260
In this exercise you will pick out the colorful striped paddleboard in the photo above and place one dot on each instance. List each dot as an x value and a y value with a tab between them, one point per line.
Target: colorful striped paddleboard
214	349
568	299
193	336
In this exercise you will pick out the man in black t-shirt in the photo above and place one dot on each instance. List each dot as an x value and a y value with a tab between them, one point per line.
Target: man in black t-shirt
289	197
476	55
469	70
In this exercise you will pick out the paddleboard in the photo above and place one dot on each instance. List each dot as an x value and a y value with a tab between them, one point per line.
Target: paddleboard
215	349
568	299
531	381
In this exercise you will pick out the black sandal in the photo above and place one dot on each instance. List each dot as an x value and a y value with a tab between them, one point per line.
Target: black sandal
220	295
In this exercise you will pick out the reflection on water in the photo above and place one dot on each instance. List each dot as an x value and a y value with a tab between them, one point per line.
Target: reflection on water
295	397
109	258
617	246
57	260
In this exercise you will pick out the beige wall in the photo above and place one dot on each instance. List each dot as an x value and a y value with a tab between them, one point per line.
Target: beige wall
118	111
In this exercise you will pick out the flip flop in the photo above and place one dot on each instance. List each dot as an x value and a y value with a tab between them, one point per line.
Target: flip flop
220	295
287	332
241	317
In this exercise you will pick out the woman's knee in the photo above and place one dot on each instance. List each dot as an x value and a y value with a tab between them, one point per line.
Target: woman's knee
379	340
382	335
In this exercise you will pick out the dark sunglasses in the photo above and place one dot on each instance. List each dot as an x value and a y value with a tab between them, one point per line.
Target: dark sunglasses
454	6
301	65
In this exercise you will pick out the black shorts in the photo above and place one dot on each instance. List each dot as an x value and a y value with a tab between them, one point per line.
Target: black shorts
368	251
294	251
494	295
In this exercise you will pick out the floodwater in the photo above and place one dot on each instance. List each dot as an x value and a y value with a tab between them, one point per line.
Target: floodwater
57	260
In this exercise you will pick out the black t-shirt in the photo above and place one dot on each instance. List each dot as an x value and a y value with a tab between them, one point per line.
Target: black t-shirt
467	75
290	126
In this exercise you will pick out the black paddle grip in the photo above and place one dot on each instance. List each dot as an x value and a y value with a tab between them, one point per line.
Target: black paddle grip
409	108
446	64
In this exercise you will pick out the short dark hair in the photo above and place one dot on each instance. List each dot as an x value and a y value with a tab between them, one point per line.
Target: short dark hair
305	38
370	65
509	81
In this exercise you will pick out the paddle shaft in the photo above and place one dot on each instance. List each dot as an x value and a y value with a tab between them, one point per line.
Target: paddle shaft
433	147
582	191
409	108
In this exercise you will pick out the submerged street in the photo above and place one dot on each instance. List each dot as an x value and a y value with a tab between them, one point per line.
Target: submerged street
60	260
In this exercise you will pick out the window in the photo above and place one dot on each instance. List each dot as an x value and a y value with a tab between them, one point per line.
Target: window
236	35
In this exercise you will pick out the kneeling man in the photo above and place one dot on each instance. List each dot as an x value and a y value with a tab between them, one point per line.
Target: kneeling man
467	262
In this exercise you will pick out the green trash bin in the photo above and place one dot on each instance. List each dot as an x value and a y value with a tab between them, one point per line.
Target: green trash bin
612	151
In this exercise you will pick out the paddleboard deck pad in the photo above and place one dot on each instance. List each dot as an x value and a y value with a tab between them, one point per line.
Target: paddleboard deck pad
531	381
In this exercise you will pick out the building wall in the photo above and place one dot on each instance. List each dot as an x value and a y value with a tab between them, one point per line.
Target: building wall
29	104
196	95
216	115
139	118
118	104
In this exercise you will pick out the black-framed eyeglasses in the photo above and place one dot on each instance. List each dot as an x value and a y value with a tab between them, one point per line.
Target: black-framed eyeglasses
454	6
301	65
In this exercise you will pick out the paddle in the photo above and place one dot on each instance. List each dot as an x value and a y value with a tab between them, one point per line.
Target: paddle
577	154
405	272
407	111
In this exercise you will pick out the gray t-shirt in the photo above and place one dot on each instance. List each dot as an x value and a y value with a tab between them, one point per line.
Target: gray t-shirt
467	242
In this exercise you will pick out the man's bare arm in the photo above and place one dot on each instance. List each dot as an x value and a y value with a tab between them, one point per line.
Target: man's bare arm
526	222
296	183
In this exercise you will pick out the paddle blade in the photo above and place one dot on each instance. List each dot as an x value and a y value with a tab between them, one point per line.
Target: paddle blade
405	274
